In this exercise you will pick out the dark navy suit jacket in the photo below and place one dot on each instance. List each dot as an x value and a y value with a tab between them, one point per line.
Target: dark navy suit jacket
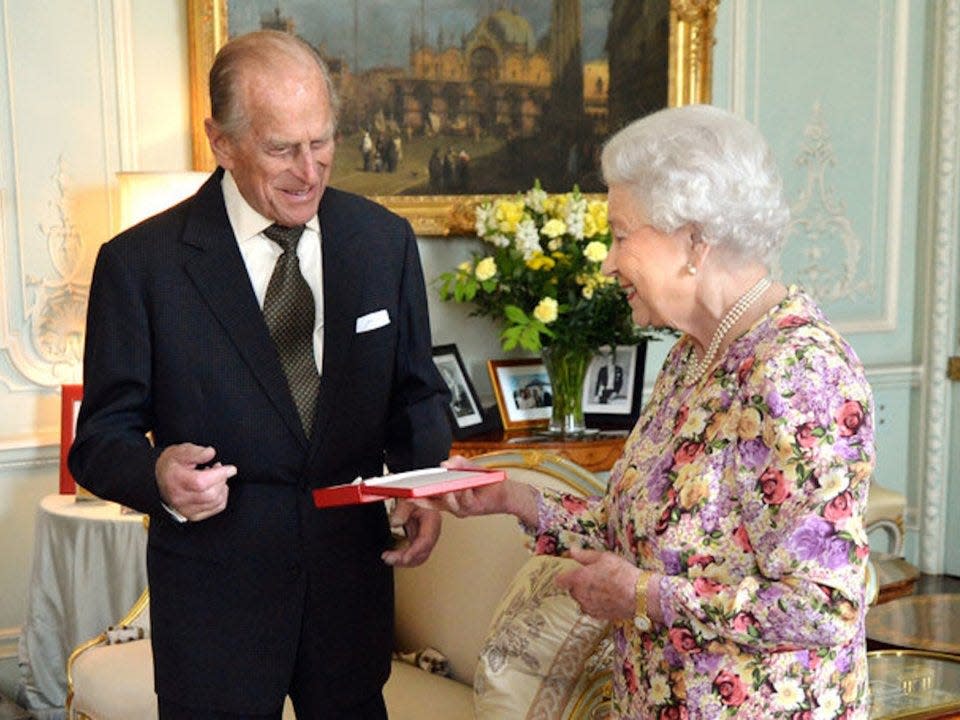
176	346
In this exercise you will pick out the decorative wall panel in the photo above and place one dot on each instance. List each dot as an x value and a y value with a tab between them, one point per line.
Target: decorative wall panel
59	143
827	83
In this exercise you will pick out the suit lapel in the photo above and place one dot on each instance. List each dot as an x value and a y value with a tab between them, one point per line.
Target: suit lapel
221	278
341	300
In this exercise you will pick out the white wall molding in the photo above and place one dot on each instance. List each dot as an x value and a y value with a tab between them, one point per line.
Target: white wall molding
126	87
45	342
35	451
818	219
894	376
940	284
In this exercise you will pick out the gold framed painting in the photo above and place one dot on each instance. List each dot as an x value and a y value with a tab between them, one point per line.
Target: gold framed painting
474	102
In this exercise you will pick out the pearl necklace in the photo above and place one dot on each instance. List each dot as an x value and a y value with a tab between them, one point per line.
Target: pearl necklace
696	369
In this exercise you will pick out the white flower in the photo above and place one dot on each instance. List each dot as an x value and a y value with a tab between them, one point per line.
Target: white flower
828	704
576	209
659	689
546	310
483	223
535	198
527	241
499	240
789	693
834	482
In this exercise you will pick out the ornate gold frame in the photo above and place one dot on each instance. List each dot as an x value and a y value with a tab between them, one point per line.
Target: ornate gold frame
689	77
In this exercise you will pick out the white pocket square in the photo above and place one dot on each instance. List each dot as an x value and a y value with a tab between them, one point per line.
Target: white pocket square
372	321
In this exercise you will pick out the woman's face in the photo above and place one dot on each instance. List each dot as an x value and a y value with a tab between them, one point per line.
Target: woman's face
649	265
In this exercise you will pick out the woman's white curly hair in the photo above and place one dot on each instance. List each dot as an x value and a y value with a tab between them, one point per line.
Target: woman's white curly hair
702	165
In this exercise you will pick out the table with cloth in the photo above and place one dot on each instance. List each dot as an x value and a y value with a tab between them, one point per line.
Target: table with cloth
89	567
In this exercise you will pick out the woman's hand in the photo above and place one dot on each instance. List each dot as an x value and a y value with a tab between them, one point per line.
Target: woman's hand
508	497
604	585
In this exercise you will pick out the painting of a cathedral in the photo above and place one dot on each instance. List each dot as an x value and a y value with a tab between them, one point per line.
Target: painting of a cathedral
445	97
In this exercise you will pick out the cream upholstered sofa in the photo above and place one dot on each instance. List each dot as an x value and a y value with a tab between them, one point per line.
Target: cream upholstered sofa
515	646
885	511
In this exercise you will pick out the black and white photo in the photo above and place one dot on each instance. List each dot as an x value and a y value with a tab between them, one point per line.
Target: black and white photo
613	387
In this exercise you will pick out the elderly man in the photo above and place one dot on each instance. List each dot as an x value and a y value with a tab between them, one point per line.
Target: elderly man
271	333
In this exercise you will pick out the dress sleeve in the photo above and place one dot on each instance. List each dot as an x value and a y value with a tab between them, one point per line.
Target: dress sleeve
800	467
566	520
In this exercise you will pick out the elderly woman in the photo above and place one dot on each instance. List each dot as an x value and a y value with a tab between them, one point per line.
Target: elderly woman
729	548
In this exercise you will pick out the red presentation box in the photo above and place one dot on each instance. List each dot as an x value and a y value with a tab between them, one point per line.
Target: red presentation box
416	483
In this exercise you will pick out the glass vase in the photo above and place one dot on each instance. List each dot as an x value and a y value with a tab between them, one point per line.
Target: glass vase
567	368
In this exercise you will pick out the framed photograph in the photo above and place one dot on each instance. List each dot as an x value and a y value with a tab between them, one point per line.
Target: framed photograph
613	387
523	392
446	102
70	399
467	416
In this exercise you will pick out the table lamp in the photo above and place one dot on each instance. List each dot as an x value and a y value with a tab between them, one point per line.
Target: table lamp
143	194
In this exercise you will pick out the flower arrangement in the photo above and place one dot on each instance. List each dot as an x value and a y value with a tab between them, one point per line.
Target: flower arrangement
539	273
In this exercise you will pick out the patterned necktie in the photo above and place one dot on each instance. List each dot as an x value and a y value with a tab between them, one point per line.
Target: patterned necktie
289	311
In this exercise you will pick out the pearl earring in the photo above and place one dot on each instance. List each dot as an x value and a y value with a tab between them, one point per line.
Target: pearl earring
691	269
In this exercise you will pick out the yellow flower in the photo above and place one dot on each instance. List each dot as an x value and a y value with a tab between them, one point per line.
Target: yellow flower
722	425
466	267
555	206
687	474
693	492
486	269
587	292
595	251
749	426
589	226
508	215
553	228
546	310
597	211
539	261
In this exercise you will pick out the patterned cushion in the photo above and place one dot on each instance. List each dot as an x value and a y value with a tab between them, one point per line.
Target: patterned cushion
536	647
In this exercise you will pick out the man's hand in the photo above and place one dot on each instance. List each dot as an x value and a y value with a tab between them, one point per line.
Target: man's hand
194	493
604	585
422	526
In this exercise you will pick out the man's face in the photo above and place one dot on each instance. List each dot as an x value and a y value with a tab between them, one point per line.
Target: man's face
283	157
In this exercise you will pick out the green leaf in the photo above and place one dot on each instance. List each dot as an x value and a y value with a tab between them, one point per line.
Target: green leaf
515	315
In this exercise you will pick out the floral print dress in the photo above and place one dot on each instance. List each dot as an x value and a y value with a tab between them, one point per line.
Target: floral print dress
746	491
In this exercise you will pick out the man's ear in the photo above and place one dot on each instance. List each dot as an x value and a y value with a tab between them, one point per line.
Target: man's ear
221	144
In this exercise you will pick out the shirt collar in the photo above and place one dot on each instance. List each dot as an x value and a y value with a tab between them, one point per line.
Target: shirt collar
246	222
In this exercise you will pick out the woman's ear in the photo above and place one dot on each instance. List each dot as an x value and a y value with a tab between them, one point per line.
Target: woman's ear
696	237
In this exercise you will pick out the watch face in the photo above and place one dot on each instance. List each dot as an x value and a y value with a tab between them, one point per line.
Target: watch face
642	623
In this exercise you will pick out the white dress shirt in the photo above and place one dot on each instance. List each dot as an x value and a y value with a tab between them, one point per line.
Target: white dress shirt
260	254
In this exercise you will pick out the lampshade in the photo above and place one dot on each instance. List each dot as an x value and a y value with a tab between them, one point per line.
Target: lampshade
143	194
